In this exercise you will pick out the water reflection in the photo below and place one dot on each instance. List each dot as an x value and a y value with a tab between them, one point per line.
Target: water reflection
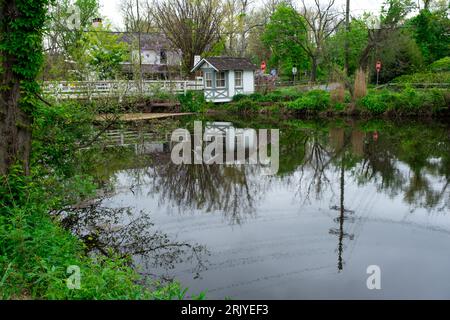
335	180
129	234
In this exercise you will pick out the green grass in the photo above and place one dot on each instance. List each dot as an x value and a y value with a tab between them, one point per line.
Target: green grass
406	102
35	250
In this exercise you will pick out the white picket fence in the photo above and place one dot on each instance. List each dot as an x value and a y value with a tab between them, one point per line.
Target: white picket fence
120	89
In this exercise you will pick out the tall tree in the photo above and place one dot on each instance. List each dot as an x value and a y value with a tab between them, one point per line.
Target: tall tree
393	14
335	54
431	31
128	9
284	35
193	26
322	21
21	28
99	54
61	34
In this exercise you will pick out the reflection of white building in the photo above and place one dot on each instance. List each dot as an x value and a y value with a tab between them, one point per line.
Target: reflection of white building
247	138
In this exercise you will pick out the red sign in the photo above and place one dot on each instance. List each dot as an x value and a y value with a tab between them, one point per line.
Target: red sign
263	66
378	66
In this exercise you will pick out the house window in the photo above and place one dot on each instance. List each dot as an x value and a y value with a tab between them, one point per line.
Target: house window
220	79
238	79
208	79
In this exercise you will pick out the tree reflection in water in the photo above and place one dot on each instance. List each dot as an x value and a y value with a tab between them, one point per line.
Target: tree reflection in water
231	190
133	235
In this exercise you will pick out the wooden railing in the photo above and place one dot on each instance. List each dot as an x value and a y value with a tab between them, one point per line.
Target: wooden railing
120	89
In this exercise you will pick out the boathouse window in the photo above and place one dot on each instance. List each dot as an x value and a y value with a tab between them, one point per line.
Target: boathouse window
208	79
238	79
220	79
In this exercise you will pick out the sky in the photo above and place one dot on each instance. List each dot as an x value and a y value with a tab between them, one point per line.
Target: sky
110	8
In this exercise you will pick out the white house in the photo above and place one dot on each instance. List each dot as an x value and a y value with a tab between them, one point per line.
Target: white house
159	59
225	77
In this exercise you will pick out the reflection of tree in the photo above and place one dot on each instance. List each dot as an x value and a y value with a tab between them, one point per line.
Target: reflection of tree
130	234
232	190
409	160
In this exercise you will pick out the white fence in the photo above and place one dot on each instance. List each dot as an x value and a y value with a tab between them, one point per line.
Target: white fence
120	89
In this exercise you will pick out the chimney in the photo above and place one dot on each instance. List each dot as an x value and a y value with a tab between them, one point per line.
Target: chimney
97	22
197	60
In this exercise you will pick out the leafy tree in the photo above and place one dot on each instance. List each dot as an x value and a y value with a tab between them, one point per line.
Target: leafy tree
400	55
393	14
431	33
61	34
283	34
335	51
99	53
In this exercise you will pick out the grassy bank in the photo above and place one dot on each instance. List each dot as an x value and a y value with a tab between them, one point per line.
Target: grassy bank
35	250
407	102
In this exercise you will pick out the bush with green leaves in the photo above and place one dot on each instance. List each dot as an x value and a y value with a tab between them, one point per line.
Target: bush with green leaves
245	106
442	65
406	102
437	72
315	100
192	101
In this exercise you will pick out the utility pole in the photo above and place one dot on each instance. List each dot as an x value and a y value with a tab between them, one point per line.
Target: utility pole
347	34
140	46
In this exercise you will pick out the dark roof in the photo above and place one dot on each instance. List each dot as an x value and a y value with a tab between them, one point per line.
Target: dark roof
149	41
229	63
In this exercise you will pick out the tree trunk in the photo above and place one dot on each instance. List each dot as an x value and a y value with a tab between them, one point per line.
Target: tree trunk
313	69
15	131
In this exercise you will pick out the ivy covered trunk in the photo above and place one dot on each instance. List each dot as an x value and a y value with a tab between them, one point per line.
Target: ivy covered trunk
15	131
21	23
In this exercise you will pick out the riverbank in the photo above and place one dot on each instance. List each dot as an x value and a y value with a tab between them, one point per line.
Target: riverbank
389	103
40	258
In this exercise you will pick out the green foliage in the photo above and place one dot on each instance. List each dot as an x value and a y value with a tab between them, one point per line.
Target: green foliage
358	39
192	101
407	102
247	105
424	77
100	52
431	33
442	65
284	34
21	43
400	55
280	95
315	100
437	72
35	251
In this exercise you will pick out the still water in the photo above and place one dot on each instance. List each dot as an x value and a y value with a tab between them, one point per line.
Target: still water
348	195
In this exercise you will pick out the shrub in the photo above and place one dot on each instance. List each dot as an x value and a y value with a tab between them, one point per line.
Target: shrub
245	106
315	100
409	101
442	65
192	101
